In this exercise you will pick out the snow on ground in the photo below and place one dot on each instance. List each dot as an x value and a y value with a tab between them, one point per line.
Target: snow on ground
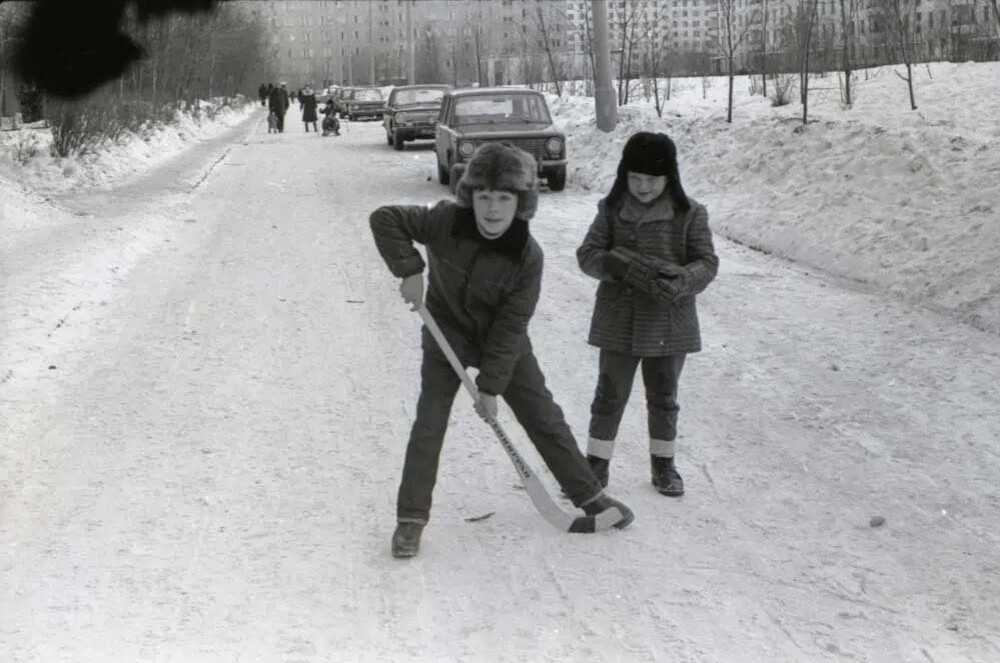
25	157
207	470
908	201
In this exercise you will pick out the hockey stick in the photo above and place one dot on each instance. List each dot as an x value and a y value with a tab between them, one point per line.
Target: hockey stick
551	511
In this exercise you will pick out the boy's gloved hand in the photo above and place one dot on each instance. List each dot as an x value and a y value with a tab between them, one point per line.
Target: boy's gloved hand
412	290
486	406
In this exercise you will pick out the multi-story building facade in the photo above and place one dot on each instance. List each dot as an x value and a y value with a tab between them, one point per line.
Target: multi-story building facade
676	36
934	29
491	42
455	41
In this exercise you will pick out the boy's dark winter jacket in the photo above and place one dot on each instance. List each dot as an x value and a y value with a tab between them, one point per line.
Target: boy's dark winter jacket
629	321
481	292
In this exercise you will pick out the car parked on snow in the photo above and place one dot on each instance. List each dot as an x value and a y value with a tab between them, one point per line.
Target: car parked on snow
338	97
323	96
412	112
470	117
362	102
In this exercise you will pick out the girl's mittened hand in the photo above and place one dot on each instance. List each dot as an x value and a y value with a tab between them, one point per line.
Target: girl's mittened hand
616	264
412	290
486	407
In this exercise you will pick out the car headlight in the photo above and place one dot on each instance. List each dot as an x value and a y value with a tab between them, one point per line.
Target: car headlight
554	146
465	148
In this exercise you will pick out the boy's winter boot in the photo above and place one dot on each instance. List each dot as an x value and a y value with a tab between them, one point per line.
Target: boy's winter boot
665	476
602	503
599	466
406	539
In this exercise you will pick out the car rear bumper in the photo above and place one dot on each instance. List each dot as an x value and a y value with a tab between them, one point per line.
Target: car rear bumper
411	132
365	112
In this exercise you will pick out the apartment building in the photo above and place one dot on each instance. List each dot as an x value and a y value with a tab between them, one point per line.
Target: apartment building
455	41
936	29
680	33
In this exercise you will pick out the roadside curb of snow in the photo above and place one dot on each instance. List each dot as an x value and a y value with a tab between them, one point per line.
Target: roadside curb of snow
891	208
118	163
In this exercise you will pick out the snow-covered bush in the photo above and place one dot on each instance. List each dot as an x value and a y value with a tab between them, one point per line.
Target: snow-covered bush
784	84
26	148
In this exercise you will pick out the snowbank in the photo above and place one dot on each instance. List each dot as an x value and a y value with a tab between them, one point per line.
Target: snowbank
25	156
907	201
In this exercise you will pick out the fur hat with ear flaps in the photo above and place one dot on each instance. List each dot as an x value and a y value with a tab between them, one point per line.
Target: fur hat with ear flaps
650	154
501	166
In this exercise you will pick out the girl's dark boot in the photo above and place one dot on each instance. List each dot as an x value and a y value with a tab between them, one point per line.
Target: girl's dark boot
406	539
665	476
599	466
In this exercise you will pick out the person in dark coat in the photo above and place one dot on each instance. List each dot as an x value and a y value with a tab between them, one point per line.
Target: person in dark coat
485	273
262	93
330	124
307	100
278	104
651	249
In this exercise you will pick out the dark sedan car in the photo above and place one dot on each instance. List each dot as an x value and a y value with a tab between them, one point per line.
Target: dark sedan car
362	102
470	117
411	113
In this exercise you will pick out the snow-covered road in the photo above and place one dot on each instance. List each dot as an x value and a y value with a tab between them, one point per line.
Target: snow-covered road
208	378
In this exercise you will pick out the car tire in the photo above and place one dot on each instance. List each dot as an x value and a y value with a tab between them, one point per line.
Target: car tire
443	175
398	143
556	179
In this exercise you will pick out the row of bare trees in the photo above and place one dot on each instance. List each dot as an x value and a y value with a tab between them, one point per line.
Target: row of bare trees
784	43
186	58
895	35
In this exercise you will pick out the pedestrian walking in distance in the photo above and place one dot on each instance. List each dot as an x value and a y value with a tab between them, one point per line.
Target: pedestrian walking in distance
307	101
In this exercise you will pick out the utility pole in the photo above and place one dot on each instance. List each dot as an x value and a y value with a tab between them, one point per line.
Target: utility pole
605	102
411	72
371	46
350	47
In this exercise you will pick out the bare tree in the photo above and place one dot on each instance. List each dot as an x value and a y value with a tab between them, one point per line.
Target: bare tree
588	35
543	30
633	35
848	18
764	20
428	59
11	16
733	30
657	60
892	21
797	35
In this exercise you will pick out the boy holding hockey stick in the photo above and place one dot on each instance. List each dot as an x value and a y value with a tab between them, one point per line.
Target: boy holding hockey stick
484	281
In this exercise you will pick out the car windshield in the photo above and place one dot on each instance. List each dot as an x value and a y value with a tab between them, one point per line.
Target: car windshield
367	95
501	109
410	97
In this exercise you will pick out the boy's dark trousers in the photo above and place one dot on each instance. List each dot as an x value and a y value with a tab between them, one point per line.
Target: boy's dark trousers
614	385
534	408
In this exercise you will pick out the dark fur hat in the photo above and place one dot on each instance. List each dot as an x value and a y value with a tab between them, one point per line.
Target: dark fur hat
650	154
501	166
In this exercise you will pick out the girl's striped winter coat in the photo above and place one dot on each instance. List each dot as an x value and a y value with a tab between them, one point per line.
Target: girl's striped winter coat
631	322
